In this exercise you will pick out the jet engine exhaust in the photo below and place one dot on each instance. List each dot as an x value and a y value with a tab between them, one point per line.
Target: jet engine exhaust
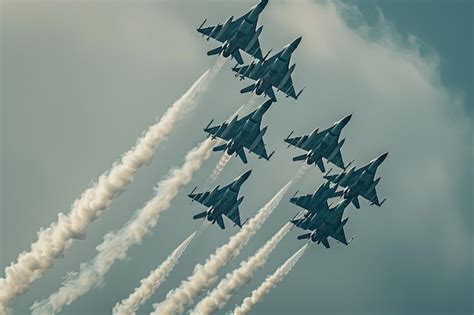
225	158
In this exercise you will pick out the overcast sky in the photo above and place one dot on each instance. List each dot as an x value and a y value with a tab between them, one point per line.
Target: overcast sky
82	79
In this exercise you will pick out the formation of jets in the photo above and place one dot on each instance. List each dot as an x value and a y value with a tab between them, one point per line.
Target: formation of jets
318	216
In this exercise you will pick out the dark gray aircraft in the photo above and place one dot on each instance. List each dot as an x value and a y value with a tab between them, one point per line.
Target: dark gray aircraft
221	201
360	182
242	133
326	223
273	72
237	35
318	200
319	145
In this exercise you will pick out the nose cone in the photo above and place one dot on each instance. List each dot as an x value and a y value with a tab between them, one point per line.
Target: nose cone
244	176
382	158
346	119
296	42
267	104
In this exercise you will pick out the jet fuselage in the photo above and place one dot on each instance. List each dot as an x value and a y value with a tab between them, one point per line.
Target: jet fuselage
245	32
277	70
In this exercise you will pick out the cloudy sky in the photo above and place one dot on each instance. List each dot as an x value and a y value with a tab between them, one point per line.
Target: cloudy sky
82	79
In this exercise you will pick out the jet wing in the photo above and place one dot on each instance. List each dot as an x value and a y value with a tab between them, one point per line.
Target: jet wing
340	236
234	216
289	89
303	223
208	198
259	150
304	202
214	30
371	196
255	50
221	131
302	142
337	160
258	69
254	74
350	177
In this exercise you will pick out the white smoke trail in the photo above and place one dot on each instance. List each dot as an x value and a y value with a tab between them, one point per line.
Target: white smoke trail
269	283
205	275
59	236
150	284
225	158
116	244
217	299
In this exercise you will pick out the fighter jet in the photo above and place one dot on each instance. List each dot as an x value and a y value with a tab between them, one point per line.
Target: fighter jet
242	133
313	203
319	145
326	223
237	35
221	201
273	72
360	182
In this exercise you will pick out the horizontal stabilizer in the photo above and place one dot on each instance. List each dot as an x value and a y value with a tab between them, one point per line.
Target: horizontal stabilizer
220	222
242	156
304	236
221	147
271	94
356	203
325	242
214	51
320	164
200	215
248	89
238	57
300	157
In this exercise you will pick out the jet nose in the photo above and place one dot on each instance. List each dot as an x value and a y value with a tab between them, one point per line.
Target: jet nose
267	104
382	157
346	119
296	42
245	175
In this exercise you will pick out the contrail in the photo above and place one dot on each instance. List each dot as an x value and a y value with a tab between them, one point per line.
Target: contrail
220	166
150	284
54	240
217	299
116	244
269	283
205	275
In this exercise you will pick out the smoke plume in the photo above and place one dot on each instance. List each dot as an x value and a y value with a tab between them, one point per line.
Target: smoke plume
116	244
205	275
269	283
54	240
225	158
217	299
150	284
